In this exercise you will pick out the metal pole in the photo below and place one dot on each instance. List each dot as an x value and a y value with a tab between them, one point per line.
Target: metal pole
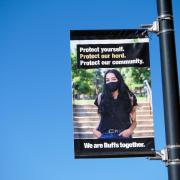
170	87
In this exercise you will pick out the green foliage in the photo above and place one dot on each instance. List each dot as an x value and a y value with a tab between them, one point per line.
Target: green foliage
85	81
135	77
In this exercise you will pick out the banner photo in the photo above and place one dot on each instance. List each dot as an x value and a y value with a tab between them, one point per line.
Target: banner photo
112	97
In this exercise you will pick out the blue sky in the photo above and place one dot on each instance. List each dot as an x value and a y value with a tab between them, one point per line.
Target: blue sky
36	132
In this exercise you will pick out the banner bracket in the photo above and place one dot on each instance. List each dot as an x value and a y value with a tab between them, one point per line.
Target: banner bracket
164	155
160	155
154	27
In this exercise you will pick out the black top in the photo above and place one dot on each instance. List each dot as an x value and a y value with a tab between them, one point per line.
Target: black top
118	119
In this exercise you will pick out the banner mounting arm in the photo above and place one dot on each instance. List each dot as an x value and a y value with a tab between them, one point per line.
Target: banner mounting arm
165	157
155	27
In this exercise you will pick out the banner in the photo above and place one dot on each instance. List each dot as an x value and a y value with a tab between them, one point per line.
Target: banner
112	98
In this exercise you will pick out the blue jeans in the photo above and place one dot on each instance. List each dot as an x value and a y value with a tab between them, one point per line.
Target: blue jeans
113	136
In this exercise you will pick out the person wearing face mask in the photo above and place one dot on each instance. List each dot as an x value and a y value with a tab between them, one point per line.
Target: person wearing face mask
117	108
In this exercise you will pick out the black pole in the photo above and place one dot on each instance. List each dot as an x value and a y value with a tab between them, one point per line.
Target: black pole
170	87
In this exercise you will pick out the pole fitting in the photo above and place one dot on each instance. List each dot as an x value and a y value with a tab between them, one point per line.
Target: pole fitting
151	27
154	27
164	155
165	17
175	160
160	155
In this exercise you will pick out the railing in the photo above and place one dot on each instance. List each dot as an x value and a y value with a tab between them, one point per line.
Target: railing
148	91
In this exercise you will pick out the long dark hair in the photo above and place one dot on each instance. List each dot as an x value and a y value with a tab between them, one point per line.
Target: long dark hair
107	98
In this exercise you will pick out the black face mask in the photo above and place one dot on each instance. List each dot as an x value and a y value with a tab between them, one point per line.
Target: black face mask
112	86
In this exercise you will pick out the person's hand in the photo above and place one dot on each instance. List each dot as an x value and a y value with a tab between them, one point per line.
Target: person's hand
126	133
97	133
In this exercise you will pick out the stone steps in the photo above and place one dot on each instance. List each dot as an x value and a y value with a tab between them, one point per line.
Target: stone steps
145	112
89	122
95	118
95	109
93	106
86	119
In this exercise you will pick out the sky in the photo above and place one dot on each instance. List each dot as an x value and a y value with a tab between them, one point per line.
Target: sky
36	129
